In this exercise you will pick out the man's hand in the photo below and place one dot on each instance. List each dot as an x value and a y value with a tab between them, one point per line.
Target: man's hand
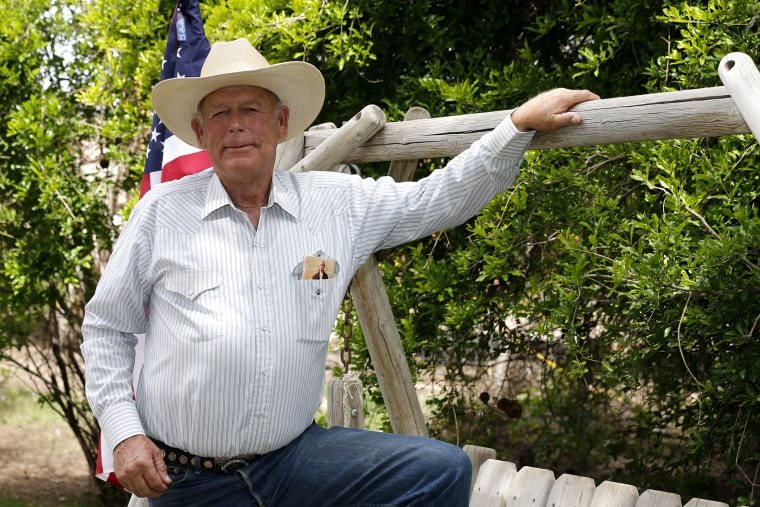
549	110
140	468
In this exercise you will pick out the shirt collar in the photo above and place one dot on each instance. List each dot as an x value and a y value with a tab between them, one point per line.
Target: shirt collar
217	197
278	196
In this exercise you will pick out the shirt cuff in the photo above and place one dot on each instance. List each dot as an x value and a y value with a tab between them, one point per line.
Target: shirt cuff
505	141
119	423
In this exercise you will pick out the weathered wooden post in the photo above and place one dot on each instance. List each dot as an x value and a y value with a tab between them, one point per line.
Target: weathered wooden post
339	143
344	402
344	394
379	326
704	112
742	80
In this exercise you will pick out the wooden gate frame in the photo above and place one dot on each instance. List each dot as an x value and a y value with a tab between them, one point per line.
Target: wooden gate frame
708	112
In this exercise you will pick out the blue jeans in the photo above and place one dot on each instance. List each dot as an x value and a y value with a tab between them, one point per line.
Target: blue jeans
336	467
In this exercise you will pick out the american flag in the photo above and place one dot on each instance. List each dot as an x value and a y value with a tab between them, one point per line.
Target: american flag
167	157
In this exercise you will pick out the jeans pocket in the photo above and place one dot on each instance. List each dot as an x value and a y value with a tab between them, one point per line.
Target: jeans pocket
178	474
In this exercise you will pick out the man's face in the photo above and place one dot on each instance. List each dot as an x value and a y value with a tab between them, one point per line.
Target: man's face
240	126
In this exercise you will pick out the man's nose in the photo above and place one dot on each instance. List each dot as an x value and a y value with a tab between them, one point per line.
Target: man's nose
236	120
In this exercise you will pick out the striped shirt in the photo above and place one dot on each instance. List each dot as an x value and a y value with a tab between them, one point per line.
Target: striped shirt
235	334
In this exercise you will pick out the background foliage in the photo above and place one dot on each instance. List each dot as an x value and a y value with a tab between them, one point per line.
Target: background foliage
600	318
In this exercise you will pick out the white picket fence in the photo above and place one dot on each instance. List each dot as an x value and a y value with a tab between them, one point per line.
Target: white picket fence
499	484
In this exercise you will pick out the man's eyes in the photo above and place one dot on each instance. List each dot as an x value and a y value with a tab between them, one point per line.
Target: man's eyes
244	110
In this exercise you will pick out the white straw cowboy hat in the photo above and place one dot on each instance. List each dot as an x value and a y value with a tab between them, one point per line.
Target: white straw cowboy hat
299	85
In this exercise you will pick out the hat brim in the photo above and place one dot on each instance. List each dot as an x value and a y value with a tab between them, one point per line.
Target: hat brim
299	85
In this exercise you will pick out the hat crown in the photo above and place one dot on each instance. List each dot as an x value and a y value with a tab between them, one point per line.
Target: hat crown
232	57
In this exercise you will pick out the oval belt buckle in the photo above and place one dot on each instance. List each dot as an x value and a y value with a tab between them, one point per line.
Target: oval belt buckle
230	466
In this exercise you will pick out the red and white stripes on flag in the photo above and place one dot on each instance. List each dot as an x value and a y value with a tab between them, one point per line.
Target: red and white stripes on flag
167	158
179	159
104	468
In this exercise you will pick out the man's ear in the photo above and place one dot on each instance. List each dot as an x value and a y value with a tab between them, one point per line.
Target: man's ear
283	117
197	126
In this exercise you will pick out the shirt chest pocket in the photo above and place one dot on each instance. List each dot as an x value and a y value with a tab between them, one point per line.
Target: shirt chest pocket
197	300
318	302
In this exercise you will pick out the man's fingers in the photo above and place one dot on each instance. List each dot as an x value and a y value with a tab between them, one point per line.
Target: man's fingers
574	97
160	465
154	477
568	119
548	111
140	468
143	489
145	483
577	96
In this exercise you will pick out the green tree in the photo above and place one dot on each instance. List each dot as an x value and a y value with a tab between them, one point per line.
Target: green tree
600	317
72	129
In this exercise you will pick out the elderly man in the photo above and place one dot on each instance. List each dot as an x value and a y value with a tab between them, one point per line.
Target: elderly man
211	269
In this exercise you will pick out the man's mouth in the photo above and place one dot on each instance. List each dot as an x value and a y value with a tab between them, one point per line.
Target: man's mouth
239	147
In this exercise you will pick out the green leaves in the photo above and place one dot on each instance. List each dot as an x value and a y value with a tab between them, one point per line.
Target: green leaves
632	270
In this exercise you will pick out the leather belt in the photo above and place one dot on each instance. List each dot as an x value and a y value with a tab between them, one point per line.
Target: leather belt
227	465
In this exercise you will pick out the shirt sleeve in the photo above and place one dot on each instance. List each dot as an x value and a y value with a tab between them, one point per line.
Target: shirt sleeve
389	213
113	316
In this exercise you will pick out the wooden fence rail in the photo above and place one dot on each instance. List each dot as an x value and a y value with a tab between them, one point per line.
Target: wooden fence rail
705	112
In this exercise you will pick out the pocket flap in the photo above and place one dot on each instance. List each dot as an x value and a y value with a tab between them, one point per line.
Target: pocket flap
192	283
